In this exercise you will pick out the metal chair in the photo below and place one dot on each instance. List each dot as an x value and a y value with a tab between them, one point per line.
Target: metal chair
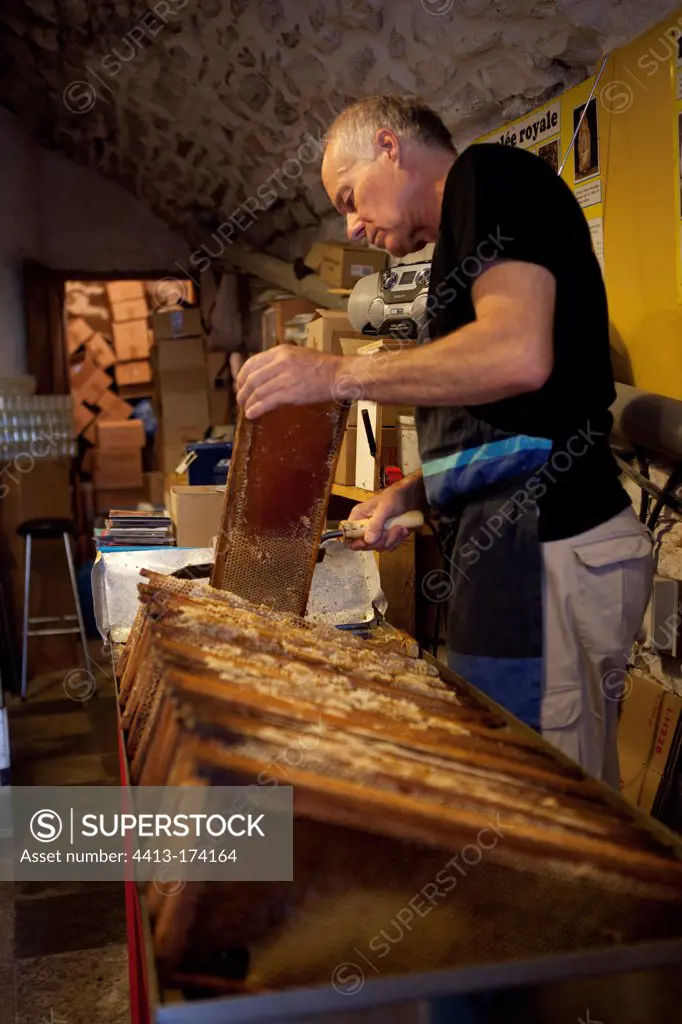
48	529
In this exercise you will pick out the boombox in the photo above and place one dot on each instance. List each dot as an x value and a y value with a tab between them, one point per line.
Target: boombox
391	302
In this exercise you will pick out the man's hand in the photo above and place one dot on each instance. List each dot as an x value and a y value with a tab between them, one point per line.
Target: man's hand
406	495
286	375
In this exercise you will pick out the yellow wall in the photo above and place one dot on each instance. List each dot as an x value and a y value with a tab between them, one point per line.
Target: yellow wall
640	174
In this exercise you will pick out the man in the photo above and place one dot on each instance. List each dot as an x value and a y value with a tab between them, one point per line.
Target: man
549	571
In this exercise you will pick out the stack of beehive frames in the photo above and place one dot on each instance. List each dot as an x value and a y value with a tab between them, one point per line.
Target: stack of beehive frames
396	773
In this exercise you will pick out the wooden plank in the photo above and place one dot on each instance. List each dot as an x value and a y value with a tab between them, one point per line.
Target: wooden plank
396	570
350	493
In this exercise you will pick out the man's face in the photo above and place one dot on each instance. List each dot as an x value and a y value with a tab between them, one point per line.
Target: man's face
381	201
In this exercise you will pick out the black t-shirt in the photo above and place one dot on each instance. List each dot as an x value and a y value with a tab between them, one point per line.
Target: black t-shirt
506	202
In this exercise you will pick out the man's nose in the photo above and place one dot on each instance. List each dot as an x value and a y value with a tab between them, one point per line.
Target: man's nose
355	229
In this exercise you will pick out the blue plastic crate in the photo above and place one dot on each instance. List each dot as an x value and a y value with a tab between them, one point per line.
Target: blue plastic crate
211	464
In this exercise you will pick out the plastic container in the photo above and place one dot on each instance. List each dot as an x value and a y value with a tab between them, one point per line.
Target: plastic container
211	464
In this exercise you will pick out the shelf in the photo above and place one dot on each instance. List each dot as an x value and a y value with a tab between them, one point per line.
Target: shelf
351	493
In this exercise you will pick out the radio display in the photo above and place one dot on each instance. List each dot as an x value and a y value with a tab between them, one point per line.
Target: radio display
408	277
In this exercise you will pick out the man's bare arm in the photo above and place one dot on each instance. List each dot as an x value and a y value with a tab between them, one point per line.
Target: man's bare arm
507	350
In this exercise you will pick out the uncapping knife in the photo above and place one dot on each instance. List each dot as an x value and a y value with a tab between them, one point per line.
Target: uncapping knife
354	529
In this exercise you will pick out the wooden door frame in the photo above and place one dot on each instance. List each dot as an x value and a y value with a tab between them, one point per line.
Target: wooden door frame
44	299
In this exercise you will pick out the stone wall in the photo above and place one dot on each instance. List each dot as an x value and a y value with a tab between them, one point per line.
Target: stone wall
194	104
65	216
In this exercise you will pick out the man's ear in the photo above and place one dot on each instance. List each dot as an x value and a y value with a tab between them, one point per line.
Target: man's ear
387	142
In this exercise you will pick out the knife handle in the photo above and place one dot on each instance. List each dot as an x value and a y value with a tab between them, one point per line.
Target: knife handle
354	529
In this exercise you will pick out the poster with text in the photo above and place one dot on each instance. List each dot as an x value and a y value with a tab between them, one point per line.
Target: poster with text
534	130
596	226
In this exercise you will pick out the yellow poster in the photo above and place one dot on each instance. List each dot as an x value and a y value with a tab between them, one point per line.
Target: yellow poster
543	133
584	170
676	84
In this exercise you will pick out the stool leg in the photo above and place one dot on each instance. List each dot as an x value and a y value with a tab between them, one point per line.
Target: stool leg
74	587
27	601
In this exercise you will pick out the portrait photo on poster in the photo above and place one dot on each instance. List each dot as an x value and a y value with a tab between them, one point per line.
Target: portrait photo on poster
550	154
586	147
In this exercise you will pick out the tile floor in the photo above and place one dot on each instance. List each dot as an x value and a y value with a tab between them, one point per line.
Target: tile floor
63	955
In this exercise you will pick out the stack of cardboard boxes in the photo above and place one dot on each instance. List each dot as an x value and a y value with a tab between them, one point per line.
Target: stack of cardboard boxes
275	318
117	465
181	380
130	330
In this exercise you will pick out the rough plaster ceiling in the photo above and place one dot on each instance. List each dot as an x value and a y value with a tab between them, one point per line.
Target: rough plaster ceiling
195	105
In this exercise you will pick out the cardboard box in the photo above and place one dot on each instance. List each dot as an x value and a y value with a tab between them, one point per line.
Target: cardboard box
172	480
137	371
341	265
153	483
219	388
171	456
117	468
195	512
193	379
113	407
88	382
177	323
78	331
345	467
275	317
180	354
43	493
126	498
183	412
82	417
325	333
351	346
219	405
118	434
100	351
647	725
131	339
123	291
129	309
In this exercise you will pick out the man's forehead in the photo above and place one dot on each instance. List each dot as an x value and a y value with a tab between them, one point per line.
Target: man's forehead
336	172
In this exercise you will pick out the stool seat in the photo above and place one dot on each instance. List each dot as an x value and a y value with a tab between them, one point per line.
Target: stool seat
46	529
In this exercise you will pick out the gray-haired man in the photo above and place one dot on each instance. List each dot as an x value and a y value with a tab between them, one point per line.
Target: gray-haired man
549	571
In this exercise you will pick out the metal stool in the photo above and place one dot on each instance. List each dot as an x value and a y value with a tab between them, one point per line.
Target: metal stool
48	529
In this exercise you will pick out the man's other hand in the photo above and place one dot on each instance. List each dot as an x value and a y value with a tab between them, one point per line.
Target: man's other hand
378	509
286	375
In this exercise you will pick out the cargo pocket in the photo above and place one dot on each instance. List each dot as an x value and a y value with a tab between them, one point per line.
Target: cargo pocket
560	707
612	591
560	720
